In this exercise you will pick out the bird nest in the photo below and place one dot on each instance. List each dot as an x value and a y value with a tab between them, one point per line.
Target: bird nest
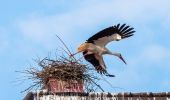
64	69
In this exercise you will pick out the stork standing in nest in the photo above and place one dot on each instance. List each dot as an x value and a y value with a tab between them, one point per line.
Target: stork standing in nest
94	47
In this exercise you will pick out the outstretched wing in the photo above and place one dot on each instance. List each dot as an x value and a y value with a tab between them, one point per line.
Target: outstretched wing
113	33
96	61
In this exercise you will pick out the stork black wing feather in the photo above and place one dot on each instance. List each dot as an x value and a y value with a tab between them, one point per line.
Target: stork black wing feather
95	62
122	27
106	32
91	58
127	30
123	30
127	36
117	26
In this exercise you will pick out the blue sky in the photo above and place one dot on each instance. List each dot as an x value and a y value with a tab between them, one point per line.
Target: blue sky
28	28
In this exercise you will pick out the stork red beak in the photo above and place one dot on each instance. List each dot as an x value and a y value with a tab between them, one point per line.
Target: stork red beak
122	59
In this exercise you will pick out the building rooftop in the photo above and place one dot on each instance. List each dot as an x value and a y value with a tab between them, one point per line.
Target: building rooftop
44	95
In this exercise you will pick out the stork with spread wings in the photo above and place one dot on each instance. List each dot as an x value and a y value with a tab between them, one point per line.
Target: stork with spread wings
94	47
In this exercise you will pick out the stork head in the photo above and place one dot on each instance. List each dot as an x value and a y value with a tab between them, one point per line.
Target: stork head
82	47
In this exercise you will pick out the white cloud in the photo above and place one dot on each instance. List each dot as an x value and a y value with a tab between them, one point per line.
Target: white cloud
33	28
4	40
92	14
155	54
150	57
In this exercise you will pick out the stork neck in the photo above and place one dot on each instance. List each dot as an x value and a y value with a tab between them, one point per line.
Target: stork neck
115	54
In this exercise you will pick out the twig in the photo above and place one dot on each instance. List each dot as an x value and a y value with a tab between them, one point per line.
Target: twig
65	46
97	85
110	83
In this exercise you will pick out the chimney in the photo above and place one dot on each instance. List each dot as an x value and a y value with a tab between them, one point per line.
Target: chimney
55	85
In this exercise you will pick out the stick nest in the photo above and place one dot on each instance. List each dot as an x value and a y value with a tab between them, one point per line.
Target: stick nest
62	70
65	69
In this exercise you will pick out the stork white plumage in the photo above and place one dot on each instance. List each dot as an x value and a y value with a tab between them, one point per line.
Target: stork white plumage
94	47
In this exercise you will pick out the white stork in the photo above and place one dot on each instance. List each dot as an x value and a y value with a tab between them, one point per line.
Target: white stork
94	47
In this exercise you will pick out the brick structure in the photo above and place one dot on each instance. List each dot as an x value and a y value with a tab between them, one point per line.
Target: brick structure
55	85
